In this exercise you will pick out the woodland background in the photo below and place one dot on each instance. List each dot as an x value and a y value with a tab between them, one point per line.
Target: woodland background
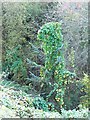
22	53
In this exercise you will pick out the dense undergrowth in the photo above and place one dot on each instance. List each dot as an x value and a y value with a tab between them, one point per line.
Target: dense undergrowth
44	75
16	103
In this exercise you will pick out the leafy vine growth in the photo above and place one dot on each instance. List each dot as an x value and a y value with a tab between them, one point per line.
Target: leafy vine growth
54	70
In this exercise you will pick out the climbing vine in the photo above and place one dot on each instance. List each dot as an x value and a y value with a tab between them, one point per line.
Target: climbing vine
54	70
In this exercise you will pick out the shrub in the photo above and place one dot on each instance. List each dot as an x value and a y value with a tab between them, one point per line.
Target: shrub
15	65
40	103
72	95
54	71
21	29
51	36
85	100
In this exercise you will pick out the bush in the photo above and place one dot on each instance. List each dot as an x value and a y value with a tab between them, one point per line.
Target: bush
40	103
14	64
85	100
21	29
72	95
54	73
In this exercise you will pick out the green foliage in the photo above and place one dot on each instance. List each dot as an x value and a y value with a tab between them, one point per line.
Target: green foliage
85	100
72	95
14	64
21	29
22	52
40	103
21	104
54	71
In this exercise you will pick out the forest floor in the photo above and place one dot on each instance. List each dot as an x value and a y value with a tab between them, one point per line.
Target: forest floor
16	103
